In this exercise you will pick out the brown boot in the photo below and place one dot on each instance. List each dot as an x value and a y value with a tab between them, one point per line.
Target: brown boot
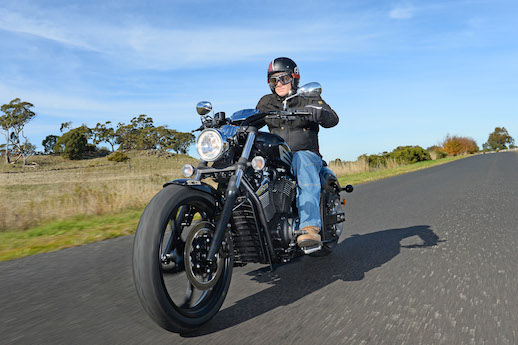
311	238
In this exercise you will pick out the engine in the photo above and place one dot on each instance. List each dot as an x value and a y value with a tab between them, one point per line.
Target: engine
278	203
275	188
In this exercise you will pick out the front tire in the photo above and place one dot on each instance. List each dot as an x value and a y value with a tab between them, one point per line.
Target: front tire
163	272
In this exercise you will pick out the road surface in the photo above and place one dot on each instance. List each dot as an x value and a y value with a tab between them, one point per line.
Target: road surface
428	257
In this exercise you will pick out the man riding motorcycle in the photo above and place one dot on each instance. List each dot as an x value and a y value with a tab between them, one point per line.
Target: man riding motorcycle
302	137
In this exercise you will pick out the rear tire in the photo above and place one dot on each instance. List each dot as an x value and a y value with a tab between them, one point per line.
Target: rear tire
160	283
328	232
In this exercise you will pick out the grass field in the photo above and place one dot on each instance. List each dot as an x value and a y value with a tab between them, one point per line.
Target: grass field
61	203
60	189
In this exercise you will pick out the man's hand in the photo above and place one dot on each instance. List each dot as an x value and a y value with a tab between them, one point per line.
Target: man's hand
315	111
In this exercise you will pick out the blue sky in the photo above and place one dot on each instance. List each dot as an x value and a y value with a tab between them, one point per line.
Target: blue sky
396	72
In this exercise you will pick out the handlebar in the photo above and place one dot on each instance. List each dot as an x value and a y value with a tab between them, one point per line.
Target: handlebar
282	114
288	112
289	115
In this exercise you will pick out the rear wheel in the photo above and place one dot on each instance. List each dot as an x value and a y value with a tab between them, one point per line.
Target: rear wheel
329	204
178	287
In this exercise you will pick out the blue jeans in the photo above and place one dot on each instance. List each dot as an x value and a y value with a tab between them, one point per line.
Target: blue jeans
306	167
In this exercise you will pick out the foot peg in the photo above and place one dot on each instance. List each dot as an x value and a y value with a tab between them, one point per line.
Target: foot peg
312	249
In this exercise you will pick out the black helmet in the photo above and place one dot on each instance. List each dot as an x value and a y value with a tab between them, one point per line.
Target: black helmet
284	64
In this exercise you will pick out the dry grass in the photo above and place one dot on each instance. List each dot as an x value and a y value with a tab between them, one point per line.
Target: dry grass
434	155
361	166
61	189
349	168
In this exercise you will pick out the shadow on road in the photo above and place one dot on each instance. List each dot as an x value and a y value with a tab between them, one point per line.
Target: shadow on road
348	262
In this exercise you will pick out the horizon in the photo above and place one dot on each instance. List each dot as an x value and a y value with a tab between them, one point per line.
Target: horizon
397	73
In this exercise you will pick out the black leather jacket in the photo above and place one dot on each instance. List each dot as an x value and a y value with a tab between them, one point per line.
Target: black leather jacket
299	134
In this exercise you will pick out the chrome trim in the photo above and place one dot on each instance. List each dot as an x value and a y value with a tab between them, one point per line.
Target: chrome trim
307	90
248	145
203	108
312	249
239	175
224	143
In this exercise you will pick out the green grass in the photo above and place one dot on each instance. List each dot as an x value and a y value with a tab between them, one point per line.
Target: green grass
78	230
66	233
384	173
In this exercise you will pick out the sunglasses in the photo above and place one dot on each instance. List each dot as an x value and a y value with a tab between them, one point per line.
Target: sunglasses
283	78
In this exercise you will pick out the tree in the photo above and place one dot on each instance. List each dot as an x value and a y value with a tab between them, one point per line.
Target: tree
28	150
17	115
49	143
103	133
499	138
73	144
184	140
170	139
136	135
141	134
65	125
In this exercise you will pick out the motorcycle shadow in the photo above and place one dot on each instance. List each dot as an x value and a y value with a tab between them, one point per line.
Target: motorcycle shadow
350	260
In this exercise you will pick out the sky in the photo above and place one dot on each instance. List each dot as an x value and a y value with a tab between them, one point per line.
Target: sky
396	72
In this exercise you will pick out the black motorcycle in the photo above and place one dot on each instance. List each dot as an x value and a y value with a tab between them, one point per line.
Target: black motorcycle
192	233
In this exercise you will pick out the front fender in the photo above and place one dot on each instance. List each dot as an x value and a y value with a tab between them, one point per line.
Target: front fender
198	185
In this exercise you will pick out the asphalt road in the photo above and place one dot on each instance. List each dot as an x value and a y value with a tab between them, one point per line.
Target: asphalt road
426	258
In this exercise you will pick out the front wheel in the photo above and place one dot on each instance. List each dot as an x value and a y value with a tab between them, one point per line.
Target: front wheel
178	287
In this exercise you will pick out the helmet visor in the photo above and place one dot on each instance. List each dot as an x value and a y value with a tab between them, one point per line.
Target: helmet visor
285	78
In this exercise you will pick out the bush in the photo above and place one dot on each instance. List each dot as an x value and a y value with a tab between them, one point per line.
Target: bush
438	154
400	155
410	154
455	145
118	157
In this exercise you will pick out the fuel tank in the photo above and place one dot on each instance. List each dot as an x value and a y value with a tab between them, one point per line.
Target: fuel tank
274	149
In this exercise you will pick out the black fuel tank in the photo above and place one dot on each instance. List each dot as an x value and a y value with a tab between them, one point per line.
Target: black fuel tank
273	148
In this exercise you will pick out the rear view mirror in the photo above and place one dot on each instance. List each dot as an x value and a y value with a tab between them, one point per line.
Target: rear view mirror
203	108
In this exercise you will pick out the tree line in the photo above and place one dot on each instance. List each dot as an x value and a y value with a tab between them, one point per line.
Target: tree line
451	145
142	134
76	143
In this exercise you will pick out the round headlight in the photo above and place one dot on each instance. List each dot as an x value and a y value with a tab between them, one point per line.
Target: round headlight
210	145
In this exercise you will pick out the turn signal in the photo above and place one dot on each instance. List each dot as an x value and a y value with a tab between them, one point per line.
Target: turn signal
187	170
343	202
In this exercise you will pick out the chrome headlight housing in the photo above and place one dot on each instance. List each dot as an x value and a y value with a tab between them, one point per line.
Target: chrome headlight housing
211	145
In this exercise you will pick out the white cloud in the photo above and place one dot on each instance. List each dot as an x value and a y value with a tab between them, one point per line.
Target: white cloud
402	12
16	22
144	46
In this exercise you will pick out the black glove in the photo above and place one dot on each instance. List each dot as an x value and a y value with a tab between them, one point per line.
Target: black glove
315	111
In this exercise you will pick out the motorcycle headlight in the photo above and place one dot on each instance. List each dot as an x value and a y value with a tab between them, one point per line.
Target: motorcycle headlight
210	145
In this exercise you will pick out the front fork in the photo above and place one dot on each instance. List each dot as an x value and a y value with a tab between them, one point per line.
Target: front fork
173	241
231	195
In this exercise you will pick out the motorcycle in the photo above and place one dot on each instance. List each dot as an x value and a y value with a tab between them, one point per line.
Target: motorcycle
192	233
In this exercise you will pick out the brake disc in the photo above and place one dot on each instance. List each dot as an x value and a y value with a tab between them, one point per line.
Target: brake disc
201	273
